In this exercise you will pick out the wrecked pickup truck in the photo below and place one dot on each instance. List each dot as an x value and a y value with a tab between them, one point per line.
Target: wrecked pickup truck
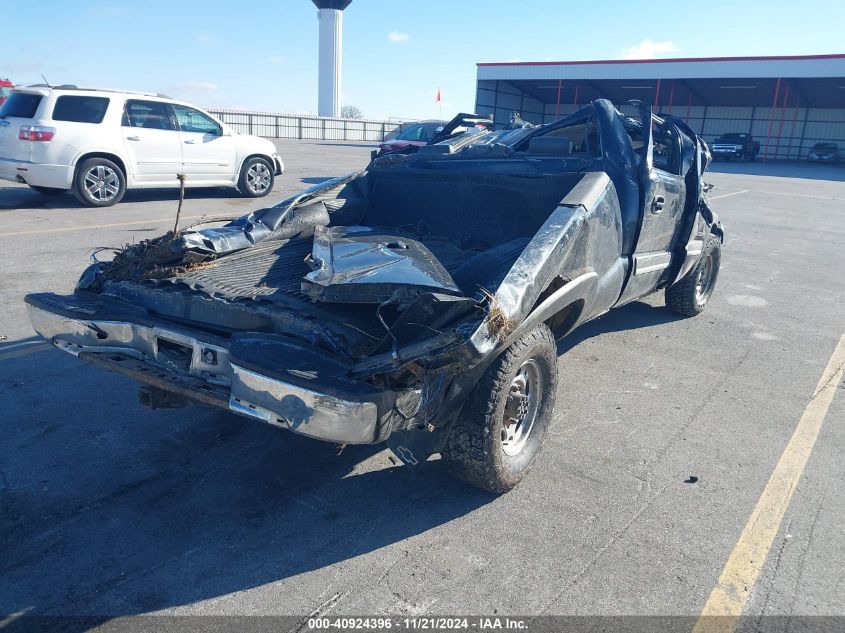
418	302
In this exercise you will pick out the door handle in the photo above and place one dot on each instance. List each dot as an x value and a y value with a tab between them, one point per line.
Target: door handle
657	204
189	142
132	138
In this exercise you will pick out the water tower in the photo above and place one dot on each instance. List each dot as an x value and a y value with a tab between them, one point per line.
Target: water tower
330	16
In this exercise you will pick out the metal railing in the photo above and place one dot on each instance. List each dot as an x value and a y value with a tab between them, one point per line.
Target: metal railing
296	126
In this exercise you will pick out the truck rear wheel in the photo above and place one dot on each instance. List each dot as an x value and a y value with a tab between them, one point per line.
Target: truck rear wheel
689	296
503	423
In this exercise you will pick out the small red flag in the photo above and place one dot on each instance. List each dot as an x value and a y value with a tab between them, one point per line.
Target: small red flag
437	96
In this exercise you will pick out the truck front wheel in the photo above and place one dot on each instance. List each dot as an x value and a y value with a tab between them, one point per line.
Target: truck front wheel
503	423
689	296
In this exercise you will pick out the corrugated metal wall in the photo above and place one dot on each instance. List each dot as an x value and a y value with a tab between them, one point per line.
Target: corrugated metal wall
783	133
502	99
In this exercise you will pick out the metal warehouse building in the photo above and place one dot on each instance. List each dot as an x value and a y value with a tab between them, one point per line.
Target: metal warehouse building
786	103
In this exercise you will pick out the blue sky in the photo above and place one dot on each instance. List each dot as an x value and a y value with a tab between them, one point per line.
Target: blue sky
263	55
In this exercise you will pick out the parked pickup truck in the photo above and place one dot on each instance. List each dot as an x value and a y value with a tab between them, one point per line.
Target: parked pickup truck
735	145
415	303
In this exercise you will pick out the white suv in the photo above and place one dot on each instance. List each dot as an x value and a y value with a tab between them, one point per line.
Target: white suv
98	143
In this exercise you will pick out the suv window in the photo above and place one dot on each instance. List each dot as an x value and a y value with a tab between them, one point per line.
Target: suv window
81	109
21	104
152	115
191	120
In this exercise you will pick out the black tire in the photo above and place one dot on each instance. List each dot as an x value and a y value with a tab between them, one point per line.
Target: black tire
475	449
47	191
99	182
690	295
257	178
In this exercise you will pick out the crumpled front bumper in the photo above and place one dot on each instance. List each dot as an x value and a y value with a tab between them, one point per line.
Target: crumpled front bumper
203	366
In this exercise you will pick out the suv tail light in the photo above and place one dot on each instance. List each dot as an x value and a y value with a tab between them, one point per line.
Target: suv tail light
36	133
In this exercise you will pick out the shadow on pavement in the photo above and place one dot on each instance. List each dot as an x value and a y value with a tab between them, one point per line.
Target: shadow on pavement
632	316
781	169
110	509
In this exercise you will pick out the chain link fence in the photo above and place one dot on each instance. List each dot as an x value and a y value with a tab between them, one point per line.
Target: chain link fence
270	125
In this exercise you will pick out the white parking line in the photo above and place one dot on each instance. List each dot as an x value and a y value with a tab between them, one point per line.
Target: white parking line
725	195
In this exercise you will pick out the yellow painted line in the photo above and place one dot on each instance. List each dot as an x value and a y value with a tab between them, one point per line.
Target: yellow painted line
64	229
731	593
18	351
727	195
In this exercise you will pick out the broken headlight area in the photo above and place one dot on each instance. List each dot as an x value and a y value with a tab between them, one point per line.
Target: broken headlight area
419	391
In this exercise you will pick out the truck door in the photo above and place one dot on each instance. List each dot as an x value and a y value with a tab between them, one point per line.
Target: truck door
663	193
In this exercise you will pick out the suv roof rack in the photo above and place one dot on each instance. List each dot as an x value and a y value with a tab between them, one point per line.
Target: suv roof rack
115	90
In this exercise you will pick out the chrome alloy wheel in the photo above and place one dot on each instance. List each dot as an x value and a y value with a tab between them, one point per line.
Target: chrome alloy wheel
258	177
522	407
704	284
102	183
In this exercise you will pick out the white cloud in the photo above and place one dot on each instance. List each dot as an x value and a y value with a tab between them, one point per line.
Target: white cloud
398	37
204	38
276	59
648	49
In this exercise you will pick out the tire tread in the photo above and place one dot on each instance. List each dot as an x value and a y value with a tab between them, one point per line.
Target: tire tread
467	453
680	297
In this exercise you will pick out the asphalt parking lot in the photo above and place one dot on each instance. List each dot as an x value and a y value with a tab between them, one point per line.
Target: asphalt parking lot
108	508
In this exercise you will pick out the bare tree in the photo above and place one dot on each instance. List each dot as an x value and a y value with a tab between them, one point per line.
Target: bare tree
351	112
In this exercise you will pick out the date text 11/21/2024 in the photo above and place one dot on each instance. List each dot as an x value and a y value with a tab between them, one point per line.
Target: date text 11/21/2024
420	623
